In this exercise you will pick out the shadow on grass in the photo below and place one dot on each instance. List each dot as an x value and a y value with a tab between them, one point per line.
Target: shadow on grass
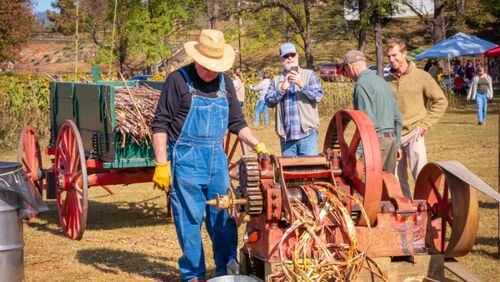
459	122
488	205
108	216
471	109
487	241
492	255
112	261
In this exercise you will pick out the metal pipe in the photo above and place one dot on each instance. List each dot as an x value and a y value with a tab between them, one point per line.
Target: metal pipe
122	177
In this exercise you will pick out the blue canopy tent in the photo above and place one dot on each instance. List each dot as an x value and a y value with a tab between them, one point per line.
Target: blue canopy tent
458	45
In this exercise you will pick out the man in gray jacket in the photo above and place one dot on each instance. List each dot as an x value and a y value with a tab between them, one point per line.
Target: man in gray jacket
295	93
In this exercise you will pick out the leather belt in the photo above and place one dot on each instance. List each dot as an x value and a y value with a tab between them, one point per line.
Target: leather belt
386	134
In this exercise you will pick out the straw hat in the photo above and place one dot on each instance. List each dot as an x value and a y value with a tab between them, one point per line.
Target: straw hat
211	51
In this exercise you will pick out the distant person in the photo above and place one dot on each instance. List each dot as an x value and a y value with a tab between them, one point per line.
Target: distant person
459	86
470	72
261	106
295	93
434	70
481	90
428	65
239	85
421	104
373	95
459	69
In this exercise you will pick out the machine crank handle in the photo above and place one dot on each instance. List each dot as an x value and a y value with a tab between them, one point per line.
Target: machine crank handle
227	202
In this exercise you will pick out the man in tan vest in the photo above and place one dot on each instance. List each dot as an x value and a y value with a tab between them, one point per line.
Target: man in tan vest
295	93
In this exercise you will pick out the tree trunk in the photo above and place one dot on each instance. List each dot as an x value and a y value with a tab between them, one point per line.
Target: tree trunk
362	30
439	28
308	37
362	40
122	56
123	68
212	12
379	43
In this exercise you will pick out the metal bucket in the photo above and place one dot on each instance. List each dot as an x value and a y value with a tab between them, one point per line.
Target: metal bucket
233	278
11	232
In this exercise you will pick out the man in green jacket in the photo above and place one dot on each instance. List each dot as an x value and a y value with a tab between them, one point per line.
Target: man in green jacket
373	96
421	103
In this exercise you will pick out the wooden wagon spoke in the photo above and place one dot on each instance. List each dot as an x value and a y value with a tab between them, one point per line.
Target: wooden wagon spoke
29	155
71	168
26	166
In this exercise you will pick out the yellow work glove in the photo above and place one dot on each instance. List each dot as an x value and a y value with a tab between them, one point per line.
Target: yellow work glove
261	149
163	176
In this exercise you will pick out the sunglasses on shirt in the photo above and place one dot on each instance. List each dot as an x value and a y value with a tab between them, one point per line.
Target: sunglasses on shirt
290	55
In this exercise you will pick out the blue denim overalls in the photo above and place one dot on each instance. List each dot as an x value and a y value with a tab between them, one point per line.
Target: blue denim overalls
199	169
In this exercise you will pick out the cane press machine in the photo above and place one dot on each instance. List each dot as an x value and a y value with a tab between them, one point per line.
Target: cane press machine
441	219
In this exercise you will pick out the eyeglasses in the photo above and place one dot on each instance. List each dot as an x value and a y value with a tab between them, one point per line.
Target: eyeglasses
289	55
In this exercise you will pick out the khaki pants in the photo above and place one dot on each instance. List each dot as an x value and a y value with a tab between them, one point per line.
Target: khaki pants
414	155
389	152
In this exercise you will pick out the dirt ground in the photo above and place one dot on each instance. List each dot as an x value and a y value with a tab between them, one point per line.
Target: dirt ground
129	236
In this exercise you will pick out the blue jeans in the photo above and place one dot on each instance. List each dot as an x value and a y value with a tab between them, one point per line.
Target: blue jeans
482	106
261	106
307	146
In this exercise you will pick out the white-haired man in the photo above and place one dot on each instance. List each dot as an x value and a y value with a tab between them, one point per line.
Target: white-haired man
295	93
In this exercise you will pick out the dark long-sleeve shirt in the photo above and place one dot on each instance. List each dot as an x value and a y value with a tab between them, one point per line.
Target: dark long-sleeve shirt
373	95
175	102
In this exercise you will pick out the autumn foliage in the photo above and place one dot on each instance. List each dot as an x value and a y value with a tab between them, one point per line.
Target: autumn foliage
17	22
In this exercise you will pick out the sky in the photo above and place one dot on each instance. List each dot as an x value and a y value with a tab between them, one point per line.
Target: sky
42	5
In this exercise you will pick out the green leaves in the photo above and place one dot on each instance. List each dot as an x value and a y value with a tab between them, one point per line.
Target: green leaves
24	99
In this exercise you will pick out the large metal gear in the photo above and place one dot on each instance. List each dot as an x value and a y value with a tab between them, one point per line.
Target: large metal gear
249	187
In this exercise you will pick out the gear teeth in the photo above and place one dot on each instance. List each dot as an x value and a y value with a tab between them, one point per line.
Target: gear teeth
250	185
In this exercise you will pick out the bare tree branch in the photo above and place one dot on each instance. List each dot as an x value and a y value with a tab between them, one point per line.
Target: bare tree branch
421	14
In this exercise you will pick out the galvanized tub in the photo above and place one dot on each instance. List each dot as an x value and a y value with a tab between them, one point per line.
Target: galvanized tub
233	278
11	228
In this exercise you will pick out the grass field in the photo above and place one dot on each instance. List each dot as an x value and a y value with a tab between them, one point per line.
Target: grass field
129	236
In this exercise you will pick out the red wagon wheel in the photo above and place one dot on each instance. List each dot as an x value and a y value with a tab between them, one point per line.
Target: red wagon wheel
234	150
71	184
454	211
364	176
29	155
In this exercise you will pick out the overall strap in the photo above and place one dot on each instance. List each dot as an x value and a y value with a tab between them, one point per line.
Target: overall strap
190	84
222	86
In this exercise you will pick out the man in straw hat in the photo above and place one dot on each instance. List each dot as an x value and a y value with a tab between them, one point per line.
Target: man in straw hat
197	106
373	96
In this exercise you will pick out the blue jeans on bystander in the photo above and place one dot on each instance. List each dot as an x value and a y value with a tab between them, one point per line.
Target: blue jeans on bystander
261	107
482	106
307	146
